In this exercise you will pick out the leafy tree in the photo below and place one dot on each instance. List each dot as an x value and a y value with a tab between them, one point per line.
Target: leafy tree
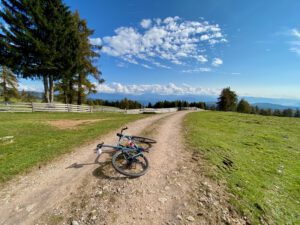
39	40
8	83
297	113
287	112
243	106
277	112
265	112
227	100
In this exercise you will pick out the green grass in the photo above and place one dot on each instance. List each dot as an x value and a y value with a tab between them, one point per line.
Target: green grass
265	151
37	142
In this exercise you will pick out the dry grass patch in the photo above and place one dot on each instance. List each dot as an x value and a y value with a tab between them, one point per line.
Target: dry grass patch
72	124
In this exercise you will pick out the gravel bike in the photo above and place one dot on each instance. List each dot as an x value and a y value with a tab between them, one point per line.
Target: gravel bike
128	159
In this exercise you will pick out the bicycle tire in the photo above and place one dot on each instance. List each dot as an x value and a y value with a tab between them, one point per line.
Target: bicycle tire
143	139
124	168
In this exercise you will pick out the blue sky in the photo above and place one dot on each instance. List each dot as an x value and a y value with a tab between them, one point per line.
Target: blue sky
195	47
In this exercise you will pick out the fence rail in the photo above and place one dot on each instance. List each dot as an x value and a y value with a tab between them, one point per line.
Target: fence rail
58	107
43	107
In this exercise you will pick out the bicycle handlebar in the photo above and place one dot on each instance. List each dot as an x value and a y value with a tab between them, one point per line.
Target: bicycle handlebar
124	128
100	145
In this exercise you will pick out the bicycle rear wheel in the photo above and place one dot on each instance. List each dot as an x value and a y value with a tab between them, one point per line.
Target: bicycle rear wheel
127	164
143	139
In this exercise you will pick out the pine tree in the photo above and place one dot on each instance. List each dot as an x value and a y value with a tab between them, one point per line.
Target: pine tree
297	113
39	41
243	106
8	83
77	87
227	100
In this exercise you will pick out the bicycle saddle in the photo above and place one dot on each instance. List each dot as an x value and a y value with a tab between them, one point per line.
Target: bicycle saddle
119	135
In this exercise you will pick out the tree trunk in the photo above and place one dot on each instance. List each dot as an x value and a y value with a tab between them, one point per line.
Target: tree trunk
5	91
51	87
46	89
80	94
70	91
65	94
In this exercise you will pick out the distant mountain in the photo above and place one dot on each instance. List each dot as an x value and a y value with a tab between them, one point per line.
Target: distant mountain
35	94
274	103
274	106
146	98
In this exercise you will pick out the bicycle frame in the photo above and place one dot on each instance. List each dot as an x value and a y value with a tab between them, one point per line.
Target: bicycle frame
119	147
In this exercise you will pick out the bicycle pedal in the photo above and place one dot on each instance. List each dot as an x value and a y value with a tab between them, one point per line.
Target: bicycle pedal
99	151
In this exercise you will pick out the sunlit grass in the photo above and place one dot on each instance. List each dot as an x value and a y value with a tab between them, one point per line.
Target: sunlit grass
265	153
36	142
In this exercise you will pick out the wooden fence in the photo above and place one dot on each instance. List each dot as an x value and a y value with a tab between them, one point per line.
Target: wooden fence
57	107
43	107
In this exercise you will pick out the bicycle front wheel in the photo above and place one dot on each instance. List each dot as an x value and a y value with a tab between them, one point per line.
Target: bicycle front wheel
143	140
126	163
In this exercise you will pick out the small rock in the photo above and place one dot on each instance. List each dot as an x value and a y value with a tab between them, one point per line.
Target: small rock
94	218
74	222
162	200
179	217
167	188
190	218
99	193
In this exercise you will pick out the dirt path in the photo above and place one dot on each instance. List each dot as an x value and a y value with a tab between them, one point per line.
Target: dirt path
174	191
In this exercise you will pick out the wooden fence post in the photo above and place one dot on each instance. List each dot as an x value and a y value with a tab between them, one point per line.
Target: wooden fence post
32	106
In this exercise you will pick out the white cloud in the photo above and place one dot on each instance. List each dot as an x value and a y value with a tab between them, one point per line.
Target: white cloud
146	66
169	41
217	62
160	65
169	89
296	50
295	44
30	87
295	32
201	69
96	41
146	23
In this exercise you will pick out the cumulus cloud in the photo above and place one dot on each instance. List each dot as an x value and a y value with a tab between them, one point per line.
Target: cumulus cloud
146	23
169	41
169	89
96	41
217	62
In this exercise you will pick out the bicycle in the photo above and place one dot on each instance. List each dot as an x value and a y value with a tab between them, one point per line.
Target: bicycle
128	160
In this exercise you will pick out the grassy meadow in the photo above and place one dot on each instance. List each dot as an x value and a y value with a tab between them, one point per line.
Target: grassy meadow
258	157
36	141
